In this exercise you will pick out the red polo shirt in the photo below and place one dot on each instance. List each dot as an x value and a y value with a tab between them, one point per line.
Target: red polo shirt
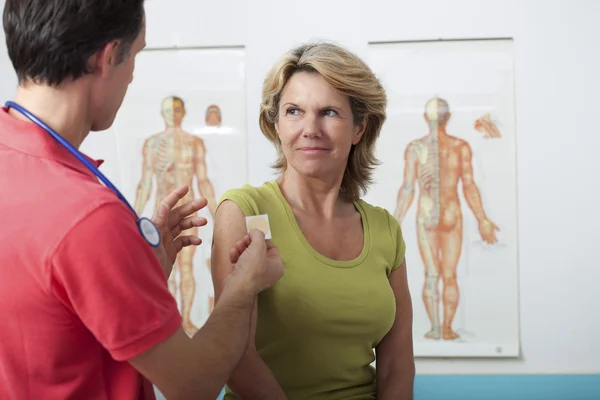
81	292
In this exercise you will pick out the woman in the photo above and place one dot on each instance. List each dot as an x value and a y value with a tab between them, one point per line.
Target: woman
344	292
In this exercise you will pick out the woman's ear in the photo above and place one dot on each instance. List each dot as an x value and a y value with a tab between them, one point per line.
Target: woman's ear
359	130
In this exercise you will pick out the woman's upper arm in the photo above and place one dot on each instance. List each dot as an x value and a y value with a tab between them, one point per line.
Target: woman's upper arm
404	313
230	227
399	283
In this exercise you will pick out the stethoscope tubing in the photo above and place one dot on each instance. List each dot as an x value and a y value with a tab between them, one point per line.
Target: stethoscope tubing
71	149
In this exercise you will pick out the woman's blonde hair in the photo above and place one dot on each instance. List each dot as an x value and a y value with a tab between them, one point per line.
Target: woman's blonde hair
350	76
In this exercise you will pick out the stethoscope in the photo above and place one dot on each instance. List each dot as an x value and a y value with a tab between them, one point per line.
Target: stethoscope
147	228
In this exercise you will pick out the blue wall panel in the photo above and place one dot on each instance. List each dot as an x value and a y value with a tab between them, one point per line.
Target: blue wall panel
506	387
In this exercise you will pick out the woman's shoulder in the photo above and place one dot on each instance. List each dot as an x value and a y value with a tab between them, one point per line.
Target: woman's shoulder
386	233
247	190
377	216
249	198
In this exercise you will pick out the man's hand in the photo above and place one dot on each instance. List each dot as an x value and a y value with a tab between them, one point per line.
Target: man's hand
257	261
198	367
172	221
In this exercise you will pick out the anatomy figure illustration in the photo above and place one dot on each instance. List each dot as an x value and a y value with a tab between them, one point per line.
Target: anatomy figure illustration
173	158
437	162
487	127
212	116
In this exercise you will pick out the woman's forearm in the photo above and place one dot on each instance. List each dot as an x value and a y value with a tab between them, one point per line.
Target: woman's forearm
395	381
252	380
395	361
401	389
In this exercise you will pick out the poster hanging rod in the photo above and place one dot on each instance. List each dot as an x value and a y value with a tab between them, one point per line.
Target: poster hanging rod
376	42
175	47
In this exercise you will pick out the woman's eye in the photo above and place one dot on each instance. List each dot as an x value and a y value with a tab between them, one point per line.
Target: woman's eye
292	111
330	113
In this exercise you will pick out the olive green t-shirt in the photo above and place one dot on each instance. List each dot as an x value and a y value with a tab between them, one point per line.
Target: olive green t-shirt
317	326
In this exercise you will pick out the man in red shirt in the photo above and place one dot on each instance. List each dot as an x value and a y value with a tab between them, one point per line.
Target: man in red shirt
85	308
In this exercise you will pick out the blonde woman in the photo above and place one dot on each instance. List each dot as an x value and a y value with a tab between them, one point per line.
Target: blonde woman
343	300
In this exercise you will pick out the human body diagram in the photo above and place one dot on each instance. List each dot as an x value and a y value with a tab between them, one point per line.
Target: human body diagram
173	158
437	163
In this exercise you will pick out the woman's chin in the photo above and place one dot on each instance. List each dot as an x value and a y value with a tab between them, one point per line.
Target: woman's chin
318	171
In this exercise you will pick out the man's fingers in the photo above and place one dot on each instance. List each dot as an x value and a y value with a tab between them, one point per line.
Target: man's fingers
234	255
237	249
188	223
241	246
256	235
185	210
169	202
255	238
247	240
189	240
272	250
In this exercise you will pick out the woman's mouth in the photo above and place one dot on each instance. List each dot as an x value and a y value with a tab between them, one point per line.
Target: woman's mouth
313	150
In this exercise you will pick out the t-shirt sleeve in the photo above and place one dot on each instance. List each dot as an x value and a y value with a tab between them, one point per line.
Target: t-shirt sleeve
398	241
108	276
243	199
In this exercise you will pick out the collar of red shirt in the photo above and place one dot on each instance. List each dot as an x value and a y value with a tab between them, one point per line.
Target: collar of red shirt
27	137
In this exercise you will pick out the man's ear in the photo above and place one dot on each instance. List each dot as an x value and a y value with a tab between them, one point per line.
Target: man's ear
106	58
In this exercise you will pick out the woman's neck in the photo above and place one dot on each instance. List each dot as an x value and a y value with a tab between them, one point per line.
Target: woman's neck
318	197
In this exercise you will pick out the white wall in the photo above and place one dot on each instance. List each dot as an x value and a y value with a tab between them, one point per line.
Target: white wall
557	52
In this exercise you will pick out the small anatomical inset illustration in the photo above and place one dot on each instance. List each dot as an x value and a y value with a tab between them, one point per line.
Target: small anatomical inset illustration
212	116
487	127
172	158
437	163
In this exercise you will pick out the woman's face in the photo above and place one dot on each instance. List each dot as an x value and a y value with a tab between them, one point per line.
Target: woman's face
316	126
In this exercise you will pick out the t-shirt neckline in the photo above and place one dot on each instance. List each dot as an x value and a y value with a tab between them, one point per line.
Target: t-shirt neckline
326	260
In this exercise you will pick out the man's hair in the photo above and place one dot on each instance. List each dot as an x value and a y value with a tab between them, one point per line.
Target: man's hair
50	41
347	74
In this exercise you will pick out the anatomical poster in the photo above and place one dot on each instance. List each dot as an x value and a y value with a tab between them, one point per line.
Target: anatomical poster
182	122
448	175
